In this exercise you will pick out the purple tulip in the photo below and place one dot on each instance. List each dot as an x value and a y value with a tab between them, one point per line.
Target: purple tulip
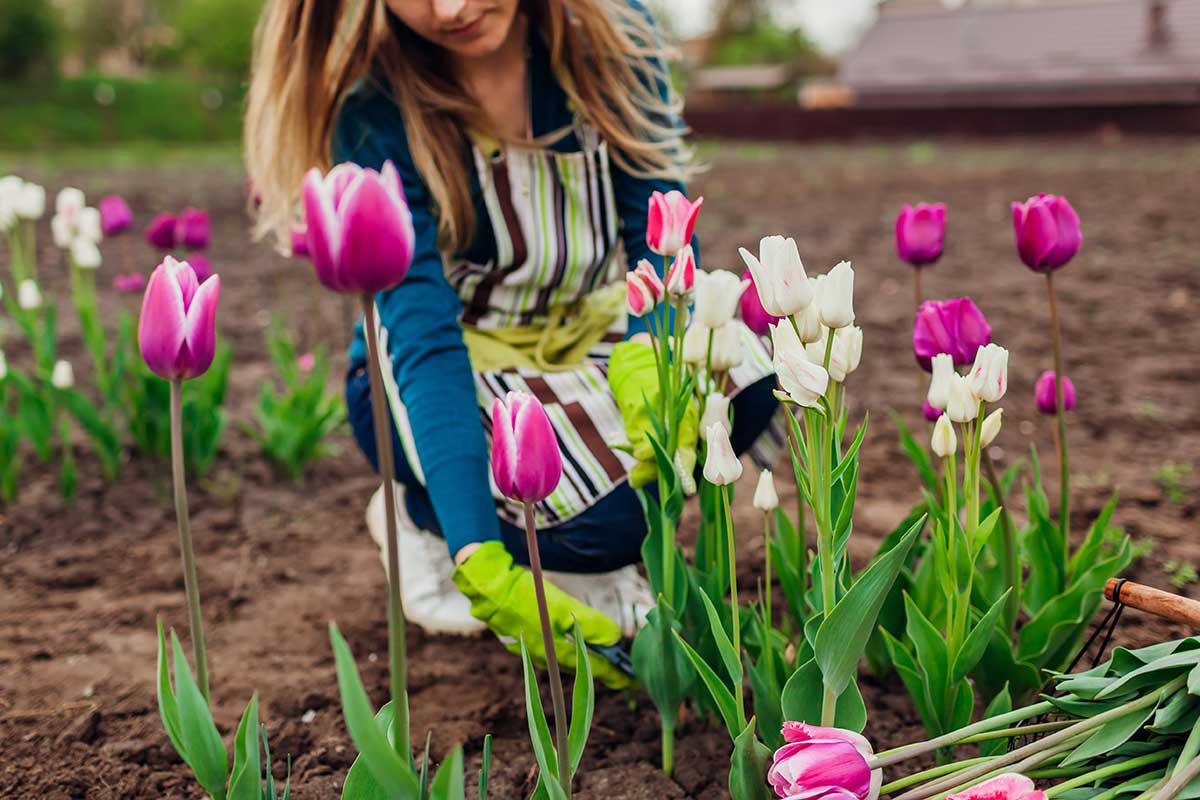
526	461
823	764
192	229
115	215
177	331
201	266
1044	394
921	233
954	326
161	231
931	412
128	284
300	240
754	315
360	231
1047	230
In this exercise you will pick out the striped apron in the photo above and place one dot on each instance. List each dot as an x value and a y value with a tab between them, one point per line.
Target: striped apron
555	224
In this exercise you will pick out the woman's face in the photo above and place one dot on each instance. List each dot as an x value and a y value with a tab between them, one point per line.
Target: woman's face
466	28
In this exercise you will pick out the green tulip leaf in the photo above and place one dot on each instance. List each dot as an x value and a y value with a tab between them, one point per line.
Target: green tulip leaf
748	766
583	702
977	640
449	784
245	781
206	752
724	699
803	696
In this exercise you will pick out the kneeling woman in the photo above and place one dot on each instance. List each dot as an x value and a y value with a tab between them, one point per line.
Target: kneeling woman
530	135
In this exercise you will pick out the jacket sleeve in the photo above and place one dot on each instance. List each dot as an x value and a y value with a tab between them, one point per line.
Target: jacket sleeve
424	341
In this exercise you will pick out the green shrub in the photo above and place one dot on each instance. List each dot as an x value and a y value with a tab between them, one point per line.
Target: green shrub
30	33
216	35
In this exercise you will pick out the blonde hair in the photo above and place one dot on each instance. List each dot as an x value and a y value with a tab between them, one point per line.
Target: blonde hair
308	54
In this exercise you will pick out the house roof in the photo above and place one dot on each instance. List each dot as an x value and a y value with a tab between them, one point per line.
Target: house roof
1094	52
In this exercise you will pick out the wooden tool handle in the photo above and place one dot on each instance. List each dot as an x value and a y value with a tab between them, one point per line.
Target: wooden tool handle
1154	601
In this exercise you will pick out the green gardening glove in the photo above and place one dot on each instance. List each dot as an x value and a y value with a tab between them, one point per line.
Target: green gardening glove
503	597
633	377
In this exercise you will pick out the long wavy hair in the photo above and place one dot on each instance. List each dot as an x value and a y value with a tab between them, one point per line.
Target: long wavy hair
309	53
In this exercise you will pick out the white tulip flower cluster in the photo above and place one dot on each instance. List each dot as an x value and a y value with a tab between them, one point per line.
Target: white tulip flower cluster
965	396
717	294
20	200
76	228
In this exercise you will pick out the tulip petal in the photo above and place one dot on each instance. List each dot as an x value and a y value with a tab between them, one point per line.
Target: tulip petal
539	465
339	180
693	211
377	236
162	322
504	448
1010	786
1038	236
201	328
654	222
324	233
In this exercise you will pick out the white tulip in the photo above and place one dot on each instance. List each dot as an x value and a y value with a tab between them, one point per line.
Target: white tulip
783	287
89	225
939	381
85	254
69	203
3	366
721	464
809	320
803	381
784	339
990	428
62	231
695	344
851	338
961	403
717	296
765	497
837	297
29	296
687	481
716	412
989	375
944	442
63	376
10	190
728	346
30	201
845	355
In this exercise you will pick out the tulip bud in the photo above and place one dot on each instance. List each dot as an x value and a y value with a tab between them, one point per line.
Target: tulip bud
85	254
837	297
644	289
306	362
961	403
29	297
955	326
717	296
161	231
69	202
989	376
62	230
757	318
823	764
695	344
115	216
681	278
945	442
1009	786
721	464
192	229
766	499
783	287
1047	231
30	201
921	233
931	412
716	412
10	188
991	427
177	330
939	382
1044	395
809	320
526	460
670	221
63	376
727	349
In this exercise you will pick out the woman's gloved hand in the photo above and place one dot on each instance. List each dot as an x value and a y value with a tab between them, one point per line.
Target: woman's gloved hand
502	596
633	377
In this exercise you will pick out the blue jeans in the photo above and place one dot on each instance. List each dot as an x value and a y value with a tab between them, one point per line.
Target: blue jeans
605	537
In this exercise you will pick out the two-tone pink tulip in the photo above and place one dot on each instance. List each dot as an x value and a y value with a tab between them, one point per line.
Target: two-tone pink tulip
823	764
360	229
1009	786
1047	231
1045	396
671	221
644	290
177	331
526	460
955	326
681	278
921	233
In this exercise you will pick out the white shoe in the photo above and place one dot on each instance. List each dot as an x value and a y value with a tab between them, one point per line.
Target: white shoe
433	601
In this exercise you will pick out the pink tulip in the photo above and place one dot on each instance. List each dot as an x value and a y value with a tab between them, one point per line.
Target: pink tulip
823	764
1044	394
931	412
161	231
201	266
177	331
306	362
753	314
681	278
670	223
300	240
128	284
526	461
192	229
360	231
920	233
643	289
115	215
1047	230
1009	786
955	326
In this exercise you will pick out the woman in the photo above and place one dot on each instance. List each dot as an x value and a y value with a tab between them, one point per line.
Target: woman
529	135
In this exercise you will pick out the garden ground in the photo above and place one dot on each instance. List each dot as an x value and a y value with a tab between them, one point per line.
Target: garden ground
81	585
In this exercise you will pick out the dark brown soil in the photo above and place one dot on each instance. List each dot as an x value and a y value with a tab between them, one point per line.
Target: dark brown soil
81	585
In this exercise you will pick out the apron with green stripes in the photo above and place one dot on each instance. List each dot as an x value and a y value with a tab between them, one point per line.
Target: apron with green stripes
555	224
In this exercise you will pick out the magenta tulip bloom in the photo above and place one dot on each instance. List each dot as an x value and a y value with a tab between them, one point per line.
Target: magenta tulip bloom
753	314
192	229
360	231
177	332
526	461
1009	786
1044	394
128	284
300	240
200	266
670	222
306	362
823	764
931	412
921	233
955	326
161	231
115	215
1047	230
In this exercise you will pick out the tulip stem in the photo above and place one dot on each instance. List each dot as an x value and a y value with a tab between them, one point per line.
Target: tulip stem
556	688
917	293
186	552
1012	563
767	570
383	449
739	691
1064	496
